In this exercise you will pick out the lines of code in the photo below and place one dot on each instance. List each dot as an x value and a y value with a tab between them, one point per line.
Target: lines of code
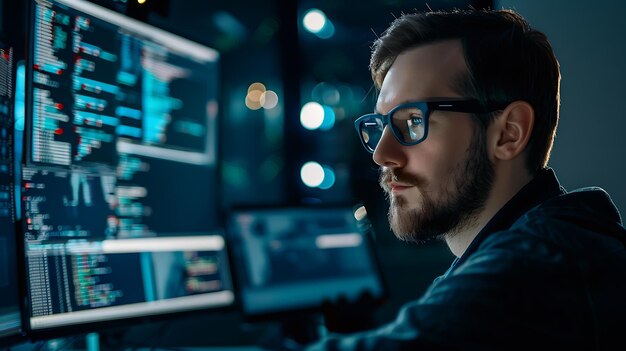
63	279
96	86
121	147
112	114
92	289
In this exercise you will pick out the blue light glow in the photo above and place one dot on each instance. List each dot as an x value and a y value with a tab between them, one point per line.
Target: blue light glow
329	118
329	178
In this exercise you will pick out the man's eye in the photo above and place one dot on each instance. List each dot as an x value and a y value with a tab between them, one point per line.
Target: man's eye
416	120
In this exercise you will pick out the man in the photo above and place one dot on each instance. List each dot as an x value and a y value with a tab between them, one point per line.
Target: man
463	129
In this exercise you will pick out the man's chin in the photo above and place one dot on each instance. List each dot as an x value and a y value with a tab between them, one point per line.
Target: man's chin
403	223
410	236
402	203
407	226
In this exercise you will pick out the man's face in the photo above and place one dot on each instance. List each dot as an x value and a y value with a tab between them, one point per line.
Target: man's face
436	187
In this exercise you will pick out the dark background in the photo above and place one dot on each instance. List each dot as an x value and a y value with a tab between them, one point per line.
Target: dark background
261	151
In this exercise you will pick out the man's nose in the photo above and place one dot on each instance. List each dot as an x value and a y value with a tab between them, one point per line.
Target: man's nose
389	152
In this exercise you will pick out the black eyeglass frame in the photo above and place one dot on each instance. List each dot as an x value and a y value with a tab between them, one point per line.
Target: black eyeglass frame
468	106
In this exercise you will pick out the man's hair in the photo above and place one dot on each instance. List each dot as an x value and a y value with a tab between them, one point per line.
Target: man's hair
507	60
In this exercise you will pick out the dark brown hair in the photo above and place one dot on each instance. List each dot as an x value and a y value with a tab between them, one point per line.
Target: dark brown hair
507	60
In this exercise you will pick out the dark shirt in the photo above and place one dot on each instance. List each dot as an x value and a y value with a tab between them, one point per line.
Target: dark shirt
548	270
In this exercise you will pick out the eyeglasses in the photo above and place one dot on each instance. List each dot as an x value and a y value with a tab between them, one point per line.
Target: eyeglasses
409	121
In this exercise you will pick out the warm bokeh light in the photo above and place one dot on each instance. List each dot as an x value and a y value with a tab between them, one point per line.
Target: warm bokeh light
256	86
255	97
252	104
253	100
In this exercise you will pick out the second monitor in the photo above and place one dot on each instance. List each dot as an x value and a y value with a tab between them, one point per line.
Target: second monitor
300	258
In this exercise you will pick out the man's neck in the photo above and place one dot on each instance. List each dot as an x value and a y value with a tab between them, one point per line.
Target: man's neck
503	189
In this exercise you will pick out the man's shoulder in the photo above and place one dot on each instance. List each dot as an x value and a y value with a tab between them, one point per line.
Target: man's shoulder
588	210
591	202
581	223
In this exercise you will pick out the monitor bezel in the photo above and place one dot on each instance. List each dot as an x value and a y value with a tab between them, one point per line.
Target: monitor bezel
12	23
201	52
287	314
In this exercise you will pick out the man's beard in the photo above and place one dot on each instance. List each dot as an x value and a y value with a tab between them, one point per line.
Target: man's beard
462	196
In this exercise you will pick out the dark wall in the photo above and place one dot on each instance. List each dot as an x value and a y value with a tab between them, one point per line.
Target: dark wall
588	39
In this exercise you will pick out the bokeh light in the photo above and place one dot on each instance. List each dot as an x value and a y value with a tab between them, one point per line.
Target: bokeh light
255	95
269	100
316	175
360	213
314	20
312	174
329	118
329	178
312	115
256	86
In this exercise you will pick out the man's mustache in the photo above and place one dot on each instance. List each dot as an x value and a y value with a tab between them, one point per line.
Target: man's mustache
397	175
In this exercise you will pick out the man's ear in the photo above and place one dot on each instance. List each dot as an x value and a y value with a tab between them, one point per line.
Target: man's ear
511	130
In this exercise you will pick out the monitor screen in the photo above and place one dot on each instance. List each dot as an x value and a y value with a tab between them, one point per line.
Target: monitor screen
289	259
10	317
119	185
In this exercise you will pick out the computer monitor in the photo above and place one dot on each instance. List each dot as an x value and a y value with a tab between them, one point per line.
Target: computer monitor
291	259
119	204
10	312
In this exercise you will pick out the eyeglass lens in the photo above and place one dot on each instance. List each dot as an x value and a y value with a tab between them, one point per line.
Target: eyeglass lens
408	125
